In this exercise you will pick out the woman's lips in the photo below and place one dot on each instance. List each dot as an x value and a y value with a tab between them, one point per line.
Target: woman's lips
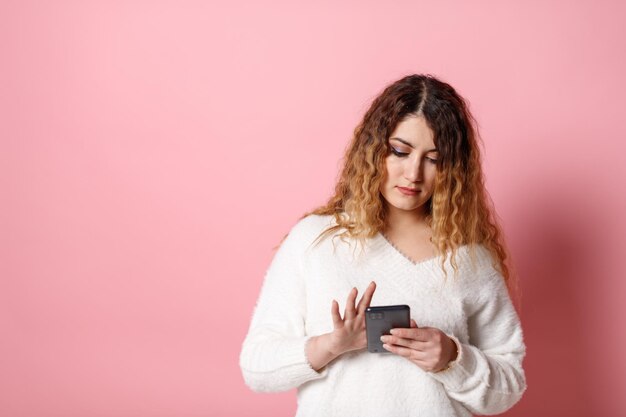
408	191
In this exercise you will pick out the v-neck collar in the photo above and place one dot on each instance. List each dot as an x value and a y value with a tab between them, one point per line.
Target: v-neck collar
392	247
403	272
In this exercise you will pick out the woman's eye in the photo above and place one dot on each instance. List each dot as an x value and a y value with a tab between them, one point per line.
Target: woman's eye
397	152
403	154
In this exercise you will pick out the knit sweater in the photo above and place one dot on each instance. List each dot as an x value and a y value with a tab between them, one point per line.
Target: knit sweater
473	308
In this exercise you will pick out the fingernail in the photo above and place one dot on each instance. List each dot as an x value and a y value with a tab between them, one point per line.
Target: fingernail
392	331
383	338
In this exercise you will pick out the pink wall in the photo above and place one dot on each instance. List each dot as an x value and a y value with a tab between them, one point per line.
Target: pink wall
152	153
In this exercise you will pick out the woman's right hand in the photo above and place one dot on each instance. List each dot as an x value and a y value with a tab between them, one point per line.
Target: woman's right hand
349	332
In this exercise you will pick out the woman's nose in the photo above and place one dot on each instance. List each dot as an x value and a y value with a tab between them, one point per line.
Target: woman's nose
413	170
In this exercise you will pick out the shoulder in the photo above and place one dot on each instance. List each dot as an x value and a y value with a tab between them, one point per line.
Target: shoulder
308	228
479	265
313	222
482	280
475	257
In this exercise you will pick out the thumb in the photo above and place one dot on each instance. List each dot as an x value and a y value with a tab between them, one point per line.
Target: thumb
413	324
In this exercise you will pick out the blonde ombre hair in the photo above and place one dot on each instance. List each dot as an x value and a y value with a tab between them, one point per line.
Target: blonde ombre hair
460	212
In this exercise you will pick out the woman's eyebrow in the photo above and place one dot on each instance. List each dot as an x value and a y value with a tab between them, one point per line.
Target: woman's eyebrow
411	145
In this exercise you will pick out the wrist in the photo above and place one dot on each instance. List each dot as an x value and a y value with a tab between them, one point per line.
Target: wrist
319	352
330	346
455	350
453	356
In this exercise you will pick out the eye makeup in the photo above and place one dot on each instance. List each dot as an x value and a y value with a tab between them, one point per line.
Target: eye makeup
398	153
403	154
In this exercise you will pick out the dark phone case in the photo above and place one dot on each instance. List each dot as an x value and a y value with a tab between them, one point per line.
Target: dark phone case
379	320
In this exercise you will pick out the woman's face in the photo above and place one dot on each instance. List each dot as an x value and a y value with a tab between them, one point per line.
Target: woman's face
411	165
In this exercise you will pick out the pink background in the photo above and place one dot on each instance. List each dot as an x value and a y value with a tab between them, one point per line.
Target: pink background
153	152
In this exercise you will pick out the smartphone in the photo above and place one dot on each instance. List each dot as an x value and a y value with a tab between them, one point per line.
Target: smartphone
379	320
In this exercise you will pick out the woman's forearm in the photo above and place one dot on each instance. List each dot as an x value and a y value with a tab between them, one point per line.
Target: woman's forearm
318	351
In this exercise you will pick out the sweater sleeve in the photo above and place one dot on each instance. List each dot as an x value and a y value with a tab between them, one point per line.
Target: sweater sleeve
487	376
273	356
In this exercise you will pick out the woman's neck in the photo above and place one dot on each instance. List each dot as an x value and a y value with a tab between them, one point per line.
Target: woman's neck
403	220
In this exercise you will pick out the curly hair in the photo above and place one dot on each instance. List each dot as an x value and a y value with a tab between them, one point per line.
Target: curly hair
460	211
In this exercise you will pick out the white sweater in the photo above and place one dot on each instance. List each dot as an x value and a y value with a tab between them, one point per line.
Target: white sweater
295	304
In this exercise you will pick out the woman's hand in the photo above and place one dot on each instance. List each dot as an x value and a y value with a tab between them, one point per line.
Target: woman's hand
349	332
427	347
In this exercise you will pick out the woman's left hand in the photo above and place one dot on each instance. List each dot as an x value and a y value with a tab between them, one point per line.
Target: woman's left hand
427	347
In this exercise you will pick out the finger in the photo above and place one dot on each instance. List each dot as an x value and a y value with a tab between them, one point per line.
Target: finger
334	311
350	311
409	343
414	333
366	299
411	354
413	324
430	334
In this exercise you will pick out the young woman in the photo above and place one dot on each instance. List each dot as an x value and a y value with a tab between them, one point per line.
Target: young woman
411	198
